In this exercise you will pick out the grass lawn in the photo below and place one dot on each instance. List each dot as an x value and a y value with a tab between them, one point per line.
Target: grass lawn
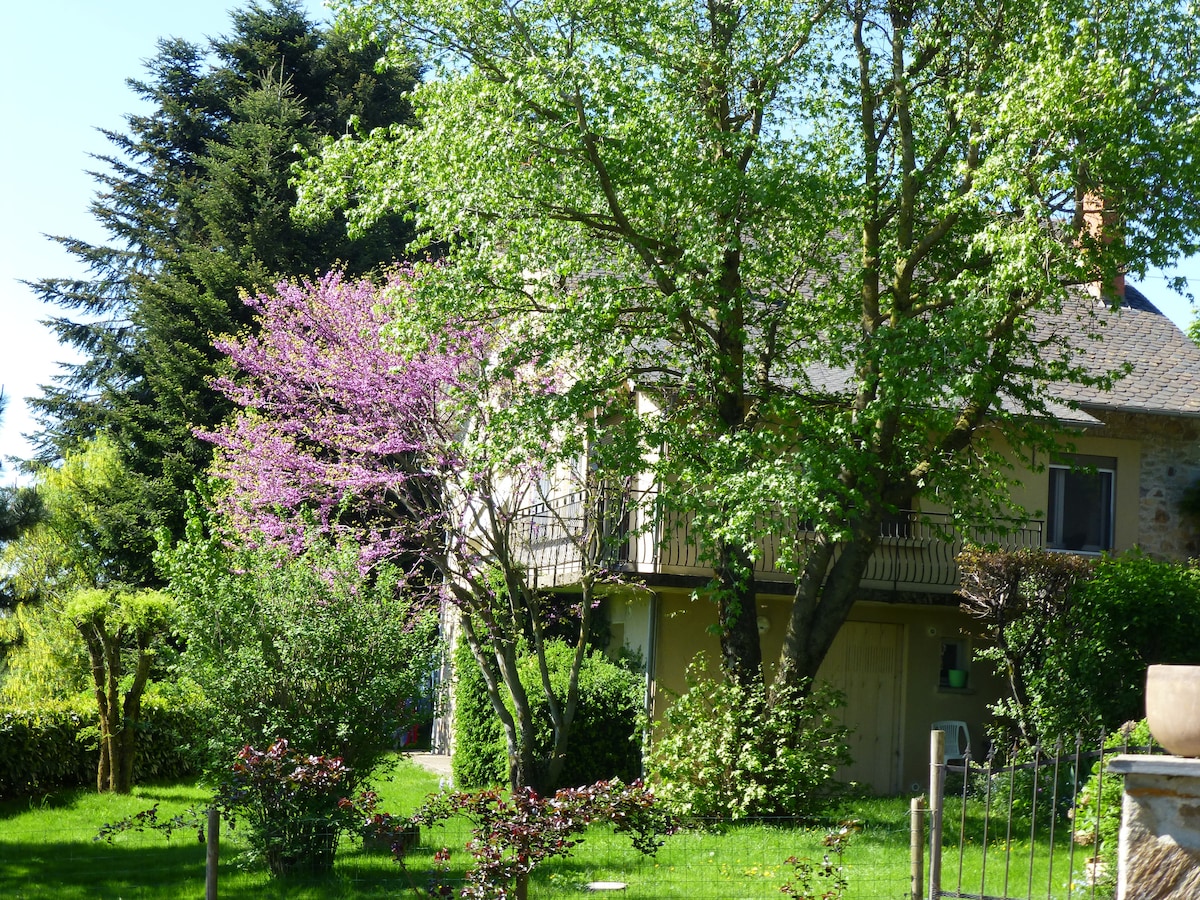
47	851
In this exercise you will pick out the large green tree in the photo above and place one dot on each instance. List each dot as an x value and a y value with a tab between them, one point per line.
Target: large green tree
819	235
194	198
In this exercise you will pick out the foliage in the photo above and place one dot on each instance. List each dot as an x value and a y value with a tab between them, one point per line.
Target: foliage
802	885
357	419
41	748
193	200
1096	818
722	752
308	647
513	835
1132	613
77	539
1021	598
604	736
44	656
1074	638
331	411
54	745
20	509
73	544
480	752
829	244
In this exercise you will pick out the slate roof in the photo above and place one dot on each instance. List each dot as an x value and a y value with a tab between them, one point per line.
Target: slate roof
1165	375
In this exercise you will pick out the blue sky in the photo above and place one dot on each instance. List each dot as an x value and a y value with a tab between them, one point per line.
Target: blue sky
63	65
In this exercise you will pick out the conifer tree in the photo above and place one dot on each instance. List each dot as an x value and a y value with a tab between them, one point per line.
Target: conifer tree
195	199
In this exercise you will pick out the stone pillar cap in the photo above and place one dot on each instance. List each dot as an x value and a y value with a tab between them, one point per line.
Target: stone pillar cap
1141	764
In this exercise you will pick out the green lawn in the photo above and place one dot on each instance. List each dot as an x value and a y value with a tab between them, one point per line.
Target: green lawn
47	851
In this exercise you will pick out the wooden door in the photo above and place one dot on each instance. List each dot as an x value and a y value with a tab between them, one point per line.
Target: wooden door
866	663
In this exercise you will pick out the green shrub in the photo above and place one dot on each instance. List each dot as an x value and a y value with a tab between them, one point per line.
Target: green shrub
603	744
480	756
1097	813
40	749
309	648
722	752
605	736
1073	638
1132	613
173	735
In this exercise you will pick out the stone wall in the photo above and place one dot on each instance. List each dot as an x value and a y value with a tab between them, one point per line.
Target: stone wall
1170	463
1159	856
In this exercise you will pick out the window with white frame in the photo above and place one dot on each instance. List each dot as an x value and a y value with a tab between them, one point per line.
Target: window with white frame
1079	511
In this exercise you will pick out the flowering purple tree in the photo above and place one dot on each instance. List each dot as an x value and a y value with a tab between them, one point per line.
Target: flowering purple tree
334	424
357	417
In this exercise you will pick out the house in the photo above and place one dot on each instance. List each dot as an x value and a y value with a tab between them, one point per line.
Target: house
904	658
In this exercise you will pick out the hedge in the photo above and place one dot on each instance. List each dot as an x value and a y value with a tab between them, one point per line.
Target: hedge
605	736
54	746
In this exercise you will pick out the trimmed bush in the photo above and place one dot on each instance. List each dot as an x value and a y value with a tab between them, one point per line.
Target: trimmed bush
605	736
604	742
1132	613
54	745
40	749
480	756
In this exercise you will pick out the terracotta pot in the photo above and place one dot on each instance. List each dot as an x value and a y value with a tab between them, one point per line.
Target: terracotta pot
1173	707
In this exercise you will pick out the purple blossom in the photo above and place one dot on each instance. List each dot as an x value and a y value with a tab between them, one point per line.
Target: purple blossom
338	422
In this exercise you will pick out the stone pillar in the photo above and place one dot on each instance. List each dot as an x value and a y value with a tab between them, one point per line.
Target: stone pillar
1159	855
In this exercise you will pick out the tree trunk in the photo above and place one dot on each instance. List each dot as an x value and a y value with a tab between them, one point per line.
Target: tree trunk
115	723
130	717
737	612
825	594
94	639
104	766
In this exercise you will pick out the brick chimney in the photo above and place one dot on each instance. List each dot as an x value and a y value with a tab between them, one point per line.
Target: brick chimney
1100	219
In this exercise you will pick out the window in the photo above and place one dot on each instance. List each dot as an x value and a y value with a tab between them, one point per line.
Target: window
953	670
1079	512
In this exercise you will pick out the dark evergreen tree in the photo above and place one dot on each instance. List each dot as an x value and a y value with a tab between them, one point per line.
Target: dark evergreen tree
196	200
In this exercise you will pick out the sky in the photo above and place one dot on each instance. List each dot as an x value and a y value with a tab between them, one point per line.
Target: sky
63	66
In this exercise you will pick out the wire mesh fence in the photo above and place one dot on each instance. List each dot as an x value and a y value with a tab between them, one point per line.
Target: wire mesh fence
1034	830
717	861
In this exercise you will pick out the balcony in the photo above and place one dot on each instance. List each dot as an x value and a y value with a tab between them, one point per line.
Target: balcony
634	537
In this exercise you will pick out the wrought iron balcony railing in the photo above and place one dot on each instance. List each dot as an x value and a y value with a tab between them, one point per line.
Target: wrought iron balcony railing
631	534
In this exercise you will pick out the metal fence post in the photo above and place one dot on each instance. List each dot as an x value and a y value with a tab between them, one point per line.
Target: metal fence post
917	848
212	855
937	774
